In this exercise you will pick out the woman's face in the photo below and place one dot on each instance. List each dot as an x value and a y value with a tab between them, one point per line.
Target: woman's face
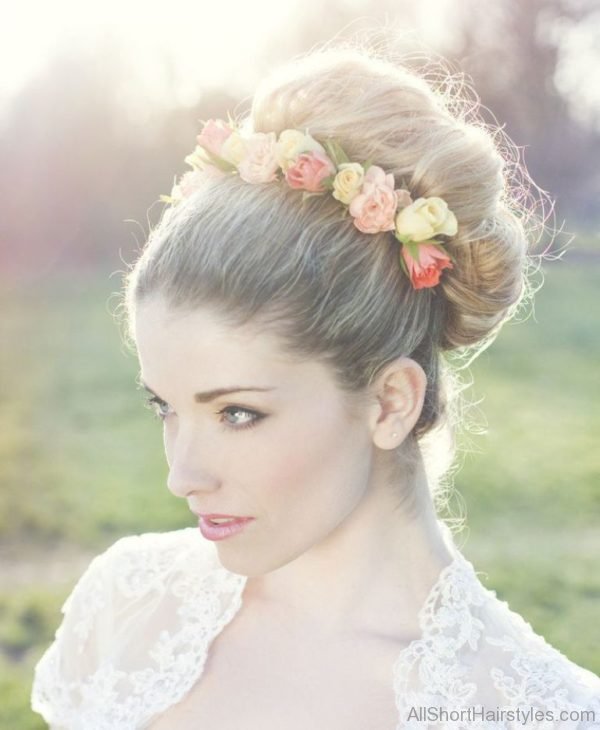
288	455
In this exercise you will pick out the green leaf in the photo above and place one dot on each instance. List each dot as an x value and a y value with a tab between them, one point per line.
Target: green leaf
336	152
327	182
413	249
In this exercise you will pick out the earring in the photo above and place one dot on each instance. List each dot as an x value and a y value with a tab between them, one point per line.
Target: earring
394	434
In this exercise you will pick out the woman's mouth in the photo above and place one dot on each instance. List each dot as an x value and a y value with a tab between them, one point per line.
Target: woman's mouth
219	527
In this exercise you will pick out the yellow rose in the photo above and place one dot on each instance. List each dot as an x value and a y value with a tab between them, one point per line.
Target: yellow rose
292	143
233	149
426	218
348	181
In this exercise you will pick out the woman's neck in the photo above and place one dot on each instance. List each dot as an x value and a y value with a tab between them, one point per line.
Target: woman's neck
374	572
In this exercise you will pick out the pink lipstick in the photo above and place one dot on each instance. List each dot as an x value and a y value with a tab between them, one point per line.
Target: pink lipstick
213	531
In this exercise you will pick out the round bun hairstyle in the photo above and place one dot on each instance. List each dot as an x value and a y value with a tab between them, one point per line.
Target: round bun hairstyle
301	271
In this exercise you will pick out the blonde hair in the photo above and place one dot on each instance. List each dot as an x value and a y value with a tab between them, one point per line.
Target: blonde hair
257	253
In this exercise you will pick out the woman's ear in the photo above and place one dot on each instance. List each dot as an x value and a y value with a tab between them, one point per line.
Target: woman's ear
399	393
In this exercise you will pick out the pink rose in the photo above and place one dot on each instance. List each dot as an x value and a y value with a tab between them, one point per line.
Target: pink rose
374	208
260	160
309	170
426	271
213	134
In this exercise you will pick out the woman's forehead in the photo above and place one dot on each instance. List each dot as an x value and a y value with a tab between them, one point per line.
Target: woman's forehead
173	343
197	327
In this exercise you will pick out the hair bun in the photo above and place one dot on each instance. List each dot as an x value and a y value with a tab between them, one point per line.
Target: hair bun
429	135
487	282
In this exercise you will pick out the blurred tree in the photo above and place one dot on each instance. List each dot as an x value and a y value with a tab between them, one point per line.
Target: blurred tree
513	56
80	168
81	164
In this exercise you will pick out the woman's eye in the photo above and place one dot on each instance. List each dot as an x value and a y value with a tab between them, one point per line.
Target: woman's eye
251	417
240	417
156	405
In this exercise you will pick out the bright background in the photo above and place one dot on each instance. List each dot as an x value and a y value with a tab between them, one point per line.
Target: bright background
99	104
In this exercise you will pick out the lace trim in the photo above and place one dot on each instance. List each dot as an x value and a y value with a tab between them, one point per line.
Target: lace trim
428	672
434	670
117	700
447	624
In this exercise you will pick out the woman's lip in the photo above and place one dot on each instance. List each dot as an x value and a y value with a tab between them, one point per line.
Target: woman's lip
213	531
218	516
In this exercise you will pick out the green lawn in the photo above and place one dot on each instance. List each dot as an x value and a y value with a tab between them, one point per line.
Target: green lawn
82	463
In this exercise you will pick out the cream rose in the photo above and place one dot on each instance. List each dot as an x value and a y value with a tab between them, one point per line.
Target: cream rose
291	144
233	149
348	181
426	218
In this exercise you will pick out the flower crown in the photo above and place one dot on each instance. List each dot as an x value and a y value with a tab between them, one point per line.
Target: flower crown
366	190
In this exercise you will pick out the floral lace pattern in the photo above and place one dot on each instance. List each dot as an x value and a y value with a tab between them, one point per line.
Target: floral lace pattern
138	625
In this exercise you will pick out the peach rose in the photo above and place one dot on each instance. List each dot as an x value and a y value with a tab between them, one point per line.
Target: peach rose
309	171
373	209
260	162
425	272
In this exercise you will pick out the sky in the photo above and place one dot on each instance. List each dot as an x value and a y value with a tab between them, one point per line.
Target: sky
207	37
174	48
210	39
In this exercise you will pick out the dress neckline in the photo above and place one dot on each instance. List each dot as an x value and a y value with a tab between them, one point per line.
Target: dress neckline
447	609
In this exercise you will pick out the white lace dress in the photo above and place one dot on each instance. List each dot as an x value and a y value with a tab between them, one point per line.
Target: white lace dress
138	625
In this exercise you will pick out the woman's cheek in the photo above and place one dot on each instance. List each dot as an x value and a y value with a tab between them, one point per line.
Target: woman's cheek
302	461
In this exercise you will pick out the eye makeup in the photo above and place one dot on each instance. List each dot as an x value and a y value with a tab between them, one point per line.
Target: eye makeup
156	405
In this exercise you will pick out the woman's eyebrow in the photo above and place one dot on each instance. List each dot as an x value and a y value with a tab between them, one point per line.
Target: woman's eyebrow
209	395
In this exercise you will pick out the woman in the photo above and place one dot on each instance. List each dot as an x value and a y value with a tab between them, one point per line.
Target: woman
295	314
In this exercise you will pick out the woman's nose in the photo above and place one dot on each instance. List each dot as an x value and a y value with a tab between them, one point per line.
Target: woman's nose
189	470
182	482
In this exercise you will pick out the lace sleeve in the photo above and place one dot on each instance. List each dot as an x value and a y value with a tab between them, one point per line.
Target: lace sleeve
135	632
480	665
78	645
530	673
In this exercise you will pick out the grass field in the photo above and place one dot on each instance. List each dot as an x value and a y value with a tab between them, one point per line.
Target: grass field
82	463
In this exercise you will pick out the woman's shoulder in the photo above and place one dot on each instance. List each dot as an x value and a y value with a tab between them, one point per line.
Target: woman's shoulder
144	607
478	655
138	561
162	546
134	564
